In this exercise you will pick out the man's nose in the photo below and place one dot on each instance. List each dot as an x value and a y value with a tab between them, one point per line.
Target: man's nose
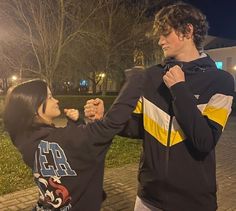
161	40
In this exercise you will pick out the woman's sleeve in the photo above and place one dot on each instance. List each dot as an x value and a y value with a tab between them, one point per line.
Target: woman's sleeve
98	135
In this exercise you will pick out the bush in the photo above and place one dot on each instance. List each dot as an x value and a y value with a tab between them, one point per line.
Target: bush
75	101
79	101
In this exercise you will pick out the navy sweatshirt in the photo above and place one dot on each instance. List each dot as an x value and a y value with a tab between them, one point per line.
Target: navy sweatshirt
68	163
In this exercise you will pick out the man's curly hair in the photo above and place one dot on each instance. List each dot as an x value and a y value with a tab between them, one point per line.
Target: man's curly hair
178	16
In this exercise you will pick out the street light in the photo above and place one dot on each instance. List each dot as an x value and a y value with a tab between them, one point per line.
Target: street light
102	75
14	78
101	79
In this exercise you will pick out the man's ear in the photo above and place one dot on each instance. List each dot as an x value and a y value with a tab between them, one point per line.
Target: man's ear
189	33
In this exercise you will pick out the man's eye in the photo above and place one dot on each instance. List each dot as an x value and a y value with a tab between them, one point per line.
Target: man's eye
166	33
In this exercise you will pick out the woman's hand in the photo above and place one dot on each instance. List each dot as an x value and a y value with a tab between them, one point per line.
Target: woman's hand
72	114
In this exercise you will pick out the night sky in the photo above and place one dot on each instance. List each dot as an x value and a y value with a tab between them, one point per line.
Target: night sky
221	15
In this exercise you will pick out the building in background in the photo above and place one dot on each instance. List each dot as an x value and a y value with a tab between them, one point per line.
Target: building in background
223	52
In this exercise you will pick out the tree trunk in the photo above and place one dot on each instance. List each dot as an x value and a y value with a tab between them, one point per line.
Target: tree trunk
104	85
94	85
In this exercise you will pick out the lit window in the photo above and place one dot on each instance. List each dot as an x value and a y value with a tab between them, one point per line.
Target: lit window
83	83
219	65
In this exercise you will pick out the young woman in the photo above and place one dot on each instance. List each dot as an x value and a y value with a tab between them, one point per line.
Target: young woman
67	163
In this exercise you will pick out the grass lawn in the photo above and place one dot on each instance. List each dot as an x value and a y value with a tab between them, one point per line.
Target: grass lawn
15	175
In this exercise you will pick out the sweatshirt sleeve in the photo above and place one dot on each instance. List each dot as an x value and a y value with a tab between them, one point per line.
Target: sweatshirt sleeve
95	137
71	123
134	126
202	128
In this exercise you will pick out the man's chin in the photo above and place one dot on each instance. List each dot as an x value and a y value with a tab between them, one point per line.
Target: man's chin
165	53
168	56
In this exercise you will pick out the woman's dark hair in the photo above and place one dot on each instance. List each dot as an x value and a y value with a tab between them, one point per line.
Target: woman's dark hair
178	16
22	103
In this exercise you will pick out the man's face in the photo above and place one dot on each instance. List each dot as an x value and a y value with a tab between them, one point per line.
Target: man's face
173	44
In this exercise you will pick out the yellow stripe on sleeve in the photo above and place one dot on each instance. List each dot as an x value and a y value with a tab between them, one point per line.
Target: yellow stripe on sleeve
218	115
139	107
218	108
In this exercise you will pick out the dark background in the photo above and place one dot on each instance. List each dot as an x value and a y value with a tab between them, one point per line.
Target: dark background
221	14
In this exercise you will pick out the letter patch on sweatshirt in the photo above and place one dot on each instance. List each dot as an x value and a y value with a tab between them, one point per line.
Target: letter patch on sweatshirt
50	166
60	166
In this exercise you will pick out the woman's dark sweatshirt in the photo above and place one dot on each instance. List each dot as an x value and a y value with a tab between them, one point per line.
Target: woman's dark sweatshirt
68	163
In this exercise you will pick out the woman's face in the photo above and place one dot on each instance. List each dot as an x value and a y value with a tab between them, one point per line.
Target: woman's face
52	109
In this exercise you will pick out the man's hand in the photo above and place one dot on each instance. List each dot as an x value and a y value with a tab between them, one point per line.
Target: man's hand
94	109
173	76
73	114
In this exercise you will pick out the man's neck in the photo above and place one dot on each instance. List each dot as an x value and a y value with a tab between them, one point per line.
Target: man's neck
189	53
188	56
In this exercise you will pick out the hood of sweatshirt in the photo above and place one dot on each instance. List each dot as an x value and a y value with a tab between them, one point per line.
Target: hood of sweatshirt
202	64
28	142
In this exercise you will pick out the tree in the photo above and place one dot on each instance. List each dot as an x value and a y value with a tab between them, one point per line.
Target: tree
13	47
65	40
48	27
111	35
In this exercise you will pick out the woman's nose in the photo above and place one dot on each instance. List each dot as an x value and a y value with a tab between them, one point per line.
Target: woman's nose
56	100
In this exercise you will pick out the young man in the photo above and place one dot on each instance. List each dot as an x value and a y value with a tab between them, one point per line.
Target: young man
180	117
